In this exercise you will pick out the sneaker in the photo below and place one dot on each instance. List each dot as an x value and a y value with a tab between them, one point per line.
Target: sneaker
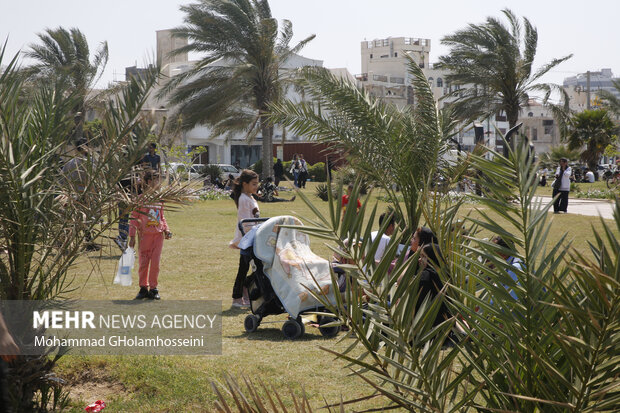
293	198
121	243
142	294
154	294
238	302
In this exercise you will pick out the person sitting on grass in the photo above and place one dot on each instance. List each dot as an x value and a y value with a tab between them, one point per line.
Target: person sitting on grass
268	192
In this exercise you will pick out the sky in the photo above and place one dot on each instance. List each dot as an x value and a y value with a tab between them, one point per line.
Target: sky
587	30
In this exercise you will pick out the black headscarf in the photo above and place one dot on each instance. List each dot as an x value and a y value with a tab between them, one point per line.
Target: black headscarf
426	236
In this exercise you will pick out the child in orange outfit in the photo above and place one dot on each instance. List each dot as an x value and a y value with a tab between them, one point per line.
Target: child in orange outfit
149	222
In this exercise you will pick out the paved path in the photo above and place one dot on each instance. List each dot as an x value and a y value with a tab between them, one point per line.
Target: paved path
592	207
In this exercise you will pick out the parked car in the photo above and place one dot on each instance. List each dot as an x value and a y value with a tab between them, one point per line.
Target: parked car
228	170
178	168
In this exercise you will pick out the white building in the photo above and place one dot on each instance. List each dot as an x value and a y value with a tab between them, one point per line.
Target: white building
385	76
219	149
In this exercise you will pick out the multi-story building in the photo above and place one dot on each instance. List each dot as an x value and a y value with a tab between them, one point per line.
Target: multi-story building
220	149
539	126
385	75
577	86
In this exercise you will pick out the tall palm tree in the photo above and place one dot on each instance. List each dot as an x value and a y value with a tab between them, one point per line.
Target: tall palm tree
231	88
610	101
64	56
496	60
385	144
594	130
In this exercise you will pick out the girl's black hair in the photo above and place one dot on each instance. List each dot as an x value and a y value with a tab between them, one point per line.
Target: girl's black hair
433	253
246	176
426	236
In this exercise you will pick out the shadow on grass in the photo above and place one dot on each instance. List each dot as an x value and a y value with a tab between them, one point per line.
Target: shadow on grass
275	334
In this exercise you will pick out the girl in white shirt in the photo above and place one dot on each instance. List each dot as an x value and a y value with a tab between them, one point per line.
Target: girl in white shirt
247	207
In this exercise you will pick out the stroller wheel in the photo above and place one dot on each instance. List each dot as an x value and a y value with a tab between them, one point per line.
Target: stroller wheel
251	323
328	331
292	329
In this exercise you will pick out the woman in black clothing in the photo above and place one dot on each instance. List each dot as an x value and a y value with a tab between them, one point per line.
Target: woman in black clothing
430	283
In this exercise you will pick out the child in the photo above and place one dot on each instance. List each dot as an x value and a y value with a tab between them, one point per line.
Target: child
149	222
345	199
243	188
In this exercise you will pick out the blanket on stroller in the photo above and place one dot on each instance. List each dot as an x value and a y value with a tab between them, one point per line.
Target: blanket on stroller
291	266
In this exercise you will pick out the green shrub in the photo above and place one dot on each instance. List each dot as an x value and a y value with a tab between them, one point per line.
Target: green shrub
321	191
212	171
347	175
317	172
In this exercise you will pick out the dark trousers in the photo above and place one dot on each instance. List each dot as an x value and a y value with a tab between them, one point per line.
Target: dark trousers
303	177
560	204
242	272
4	395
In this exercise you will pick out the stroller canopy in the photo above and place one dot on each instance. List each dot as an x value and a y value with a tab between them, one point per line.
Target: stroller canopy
291	266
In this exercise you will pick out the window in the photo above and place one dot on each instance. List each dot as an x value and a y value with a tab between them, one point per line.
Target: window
371	55
500	118
430	81
548	126
530	115
395	54
534	134
439	82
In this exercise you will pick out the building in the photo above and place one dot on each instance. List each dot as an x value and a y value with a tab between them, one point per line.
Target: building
539	126
385	75
592	82
220	149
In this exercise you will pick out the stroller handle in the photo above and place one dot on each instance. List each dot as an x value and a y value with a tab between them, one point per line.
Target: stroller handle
249	220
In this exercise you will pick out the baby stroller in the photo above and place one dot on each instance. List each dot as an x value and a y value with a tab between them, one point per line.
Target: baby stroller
284	267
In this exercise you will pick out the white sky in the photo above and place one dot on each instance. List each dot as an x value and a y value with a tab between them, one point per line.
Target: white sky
589	30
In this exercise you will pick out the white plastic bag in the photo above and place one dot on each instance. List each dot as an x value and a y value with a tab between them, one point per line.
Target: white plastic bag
125	266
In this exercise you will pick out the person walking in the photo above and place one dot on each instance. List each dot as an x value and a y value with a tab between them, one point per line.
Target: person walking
278	172
150	225
244	187
561	187
295	167
303	171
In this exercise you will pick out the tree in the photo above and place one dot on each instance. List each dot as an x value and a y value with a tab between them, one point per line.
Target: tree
385	144
611	101
231	88
45	215
64	57
551	158
594	130
495	62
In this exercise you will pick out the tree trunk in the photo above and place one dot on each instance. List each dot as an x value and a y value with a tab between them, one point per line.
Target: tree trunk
267	132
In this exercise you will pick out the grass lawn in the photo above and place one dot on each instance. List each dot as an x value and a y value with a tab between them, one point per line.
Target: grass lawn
197	264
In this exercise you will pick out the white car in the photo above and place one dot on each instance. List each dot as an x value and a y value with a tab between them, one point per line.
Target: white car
178	168
228	170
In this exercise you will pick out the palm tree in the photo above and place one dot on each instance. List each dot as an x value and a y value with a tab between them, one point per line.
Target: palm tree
385	144
64	56
496	61
595	130
610	101
231	88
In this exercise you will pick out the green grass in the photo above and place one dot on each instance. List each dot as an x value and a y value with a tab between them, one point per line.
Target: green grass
197	264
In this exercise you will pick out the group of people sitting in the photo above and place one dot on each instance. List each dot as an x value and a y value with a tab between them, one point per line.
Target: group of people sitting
425	243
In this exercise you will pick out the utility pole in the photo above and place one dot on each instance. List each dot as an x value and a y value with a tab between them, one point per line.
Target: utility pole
588	90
